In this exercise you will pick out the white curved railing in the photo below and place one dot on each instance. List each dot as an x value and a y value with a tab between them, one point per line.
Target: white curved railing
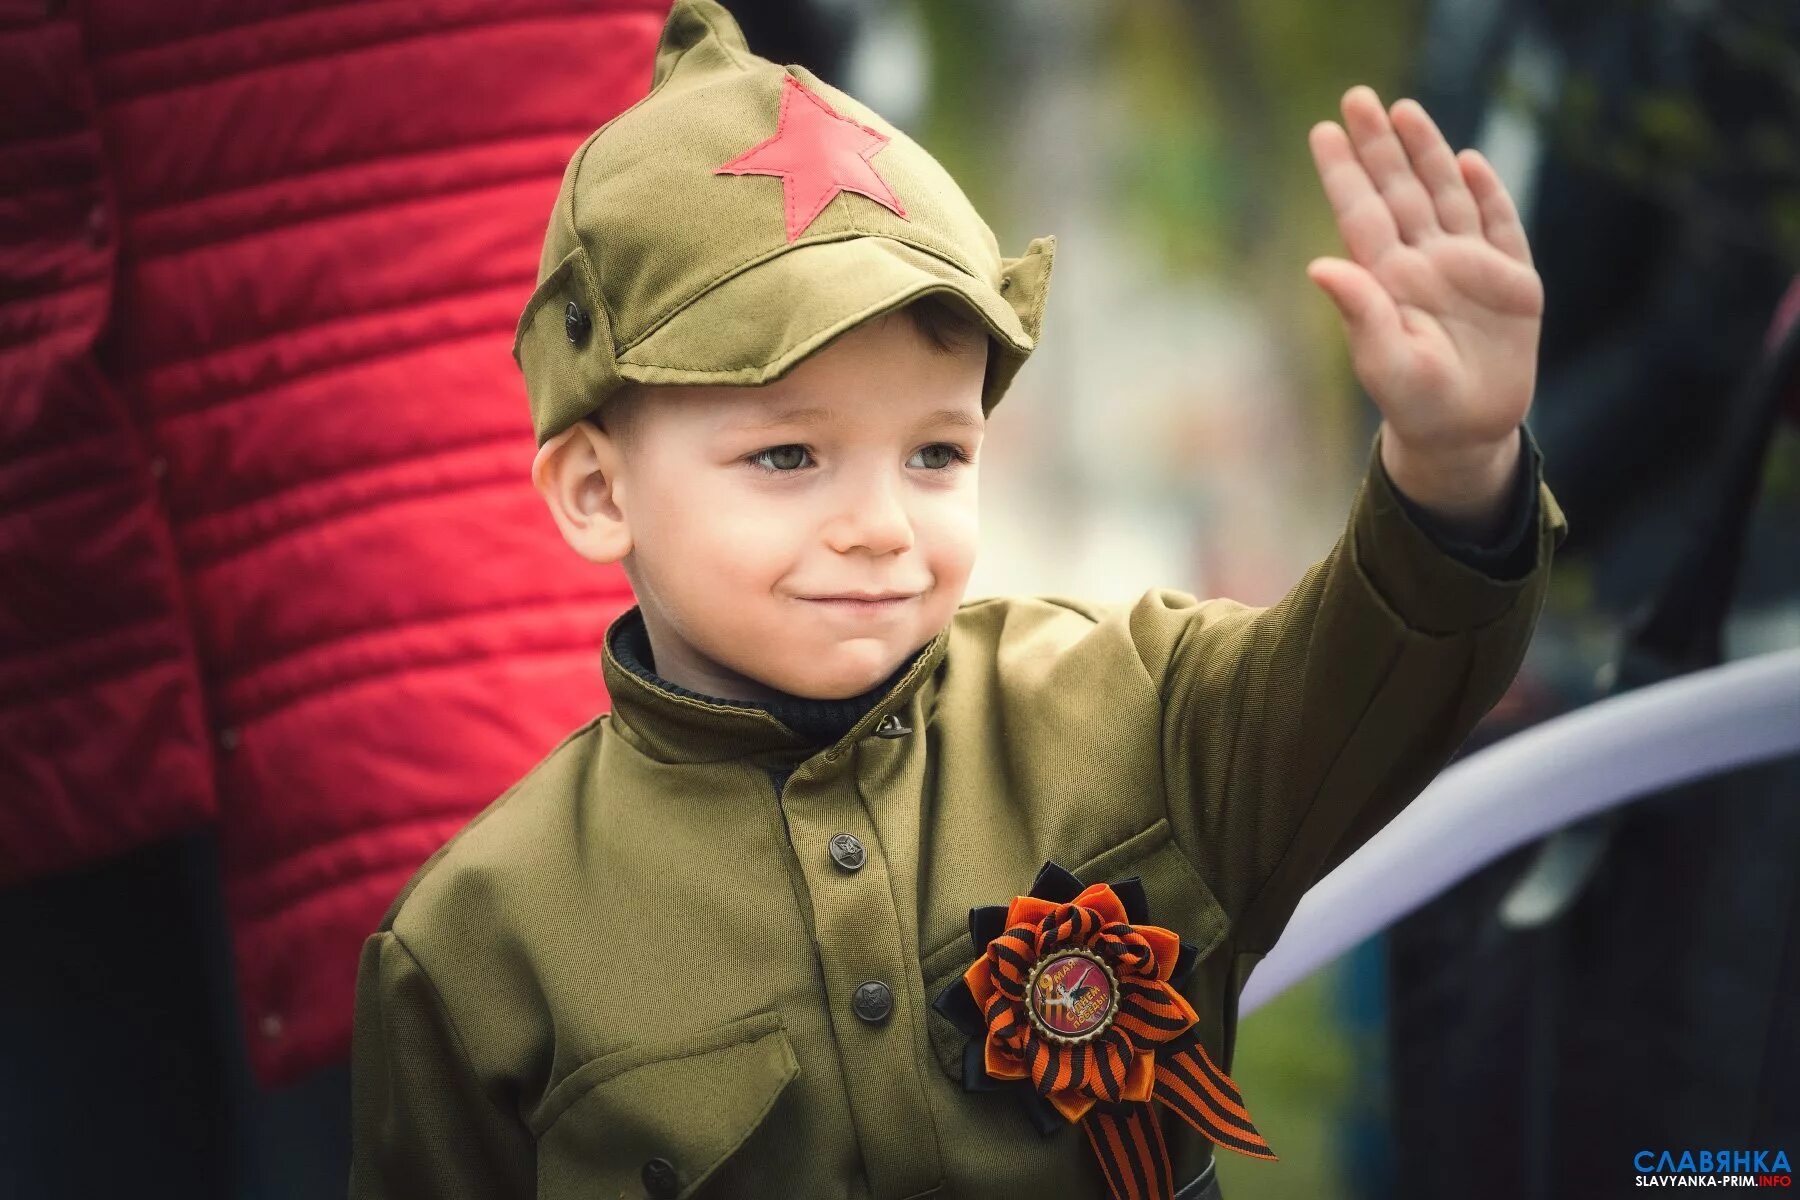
1535	781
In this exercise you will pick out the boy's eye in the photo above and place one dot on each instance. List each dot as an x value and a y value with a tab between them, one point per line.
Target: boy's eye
945	453
779	458
782	460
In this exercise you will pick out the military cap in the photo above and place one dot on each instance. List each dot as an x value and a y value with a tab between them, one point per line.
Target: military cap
738	218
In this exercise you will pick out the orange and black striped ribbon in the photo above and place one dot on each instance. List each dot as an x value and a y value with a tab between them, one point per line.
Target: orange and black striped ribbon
1127	1138
1205	1097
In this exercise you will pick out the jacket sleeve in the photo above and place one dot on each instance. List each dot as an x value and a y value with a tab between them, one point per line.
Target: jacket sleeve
422	1128
1291	734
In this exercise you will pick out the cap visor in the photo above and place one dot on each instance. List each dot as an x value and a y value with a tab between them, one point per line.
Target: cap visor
753	326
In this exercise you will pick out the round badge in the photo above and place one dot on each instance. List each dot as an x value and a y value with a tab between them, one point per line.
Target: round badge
1072	995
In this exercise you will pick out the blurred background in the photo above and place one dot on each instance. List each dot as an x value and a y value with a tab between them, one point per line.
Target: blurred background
1189	420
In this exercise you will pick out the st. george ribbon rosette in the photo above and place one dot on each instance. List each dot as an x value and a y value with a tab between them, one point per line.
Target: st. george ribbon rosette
1071	1002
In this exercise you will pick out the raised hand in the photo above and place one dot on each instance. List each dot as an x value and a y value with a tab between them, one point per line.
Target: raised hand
1439	298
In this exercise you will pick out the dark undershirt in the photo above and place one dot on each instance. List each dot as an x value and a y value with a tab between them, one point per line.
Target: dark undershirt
821	722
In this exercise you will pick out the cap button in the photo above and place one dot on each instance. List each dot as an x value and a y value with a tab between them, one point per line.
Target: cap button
576	323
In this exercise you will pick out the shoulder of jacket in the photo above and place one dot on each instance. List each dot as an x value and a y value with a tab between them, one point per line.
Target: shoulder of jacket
1035	617
518	817
1027	636
1019	612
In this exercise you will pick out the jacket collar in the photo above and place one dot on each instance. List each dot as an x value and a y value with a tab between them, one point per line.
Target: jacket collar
674	724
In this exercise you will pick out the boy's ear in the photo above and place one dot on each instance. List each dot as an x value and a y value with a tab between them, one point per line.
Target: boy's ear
577	474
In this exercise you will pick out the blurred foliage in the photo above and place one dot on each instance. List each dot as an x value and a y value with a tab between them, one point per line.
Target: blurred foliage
1216	169
1216	172
1293	1061
959	122
1209	164
1782	479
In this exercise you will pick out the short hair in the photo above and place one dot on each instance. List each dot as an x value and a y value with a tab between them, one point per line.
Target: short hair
946	324
617	415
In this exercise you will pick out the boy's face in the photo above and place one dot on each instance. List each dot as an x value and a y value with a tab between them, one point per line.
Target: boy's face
753	515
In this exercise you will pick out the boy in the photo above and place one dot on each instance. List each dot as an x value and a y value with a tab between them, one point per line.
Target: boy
709	941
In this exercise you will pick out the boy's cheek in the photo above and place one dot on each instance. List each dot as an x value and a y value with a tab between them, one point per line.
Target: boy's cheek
952	540
749	547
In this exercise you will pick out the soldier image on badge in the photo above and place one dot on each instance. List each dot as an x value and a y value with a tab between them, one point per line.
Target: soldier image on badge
863	887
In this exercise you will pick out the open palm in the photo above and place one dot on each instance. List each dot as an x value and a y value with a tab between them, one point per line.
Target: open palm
1441	304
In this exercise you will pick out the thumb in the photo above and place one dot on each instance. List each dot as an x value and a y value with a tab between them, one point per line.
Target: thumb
1368	311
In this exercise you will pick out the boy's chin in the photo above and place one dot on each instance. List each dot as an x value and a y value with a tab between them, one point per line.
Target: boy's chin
850	679
834	689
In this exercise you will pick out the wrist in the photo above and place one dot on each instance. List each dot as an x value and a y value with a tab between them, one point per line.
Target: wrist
1464	488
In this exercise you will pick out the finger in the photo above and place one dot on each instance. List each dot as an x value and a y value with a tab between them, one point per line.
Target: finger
1371	318
1499	218
1385	160
1363	217
1436	167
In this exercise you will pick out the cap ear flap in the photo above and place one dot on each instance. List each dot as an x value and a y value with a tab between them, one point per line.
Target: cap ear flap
563	343
690	23
1025	282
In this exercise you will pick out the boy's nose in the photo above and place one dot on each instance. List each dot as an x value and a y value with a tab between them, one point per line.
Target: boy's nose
875	519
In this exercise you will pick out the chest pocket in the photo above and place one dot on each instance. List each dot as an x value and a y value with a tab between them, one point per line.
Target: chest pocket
1177	897
658	1121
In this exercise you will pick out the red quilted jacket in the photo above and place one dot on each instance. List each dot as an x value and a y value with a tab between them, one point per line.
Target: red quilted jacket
269	554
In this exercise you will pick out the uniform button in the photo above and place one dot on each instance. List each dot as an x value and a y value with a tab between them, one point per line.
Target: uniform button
159	466
873	1001
576	323
892	726
228	739
847	852
659	1178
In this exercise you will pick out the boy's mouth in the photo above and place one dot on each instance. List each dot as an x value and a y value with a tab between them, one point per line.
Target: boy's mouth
863	602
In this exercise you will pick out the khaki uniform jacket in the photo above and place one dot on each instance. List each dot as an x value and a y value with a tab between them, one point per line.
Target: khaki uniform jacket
645	948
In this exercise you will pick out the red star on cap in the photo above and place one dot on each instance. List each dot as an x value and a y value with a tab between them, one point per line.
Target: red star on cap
818	152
